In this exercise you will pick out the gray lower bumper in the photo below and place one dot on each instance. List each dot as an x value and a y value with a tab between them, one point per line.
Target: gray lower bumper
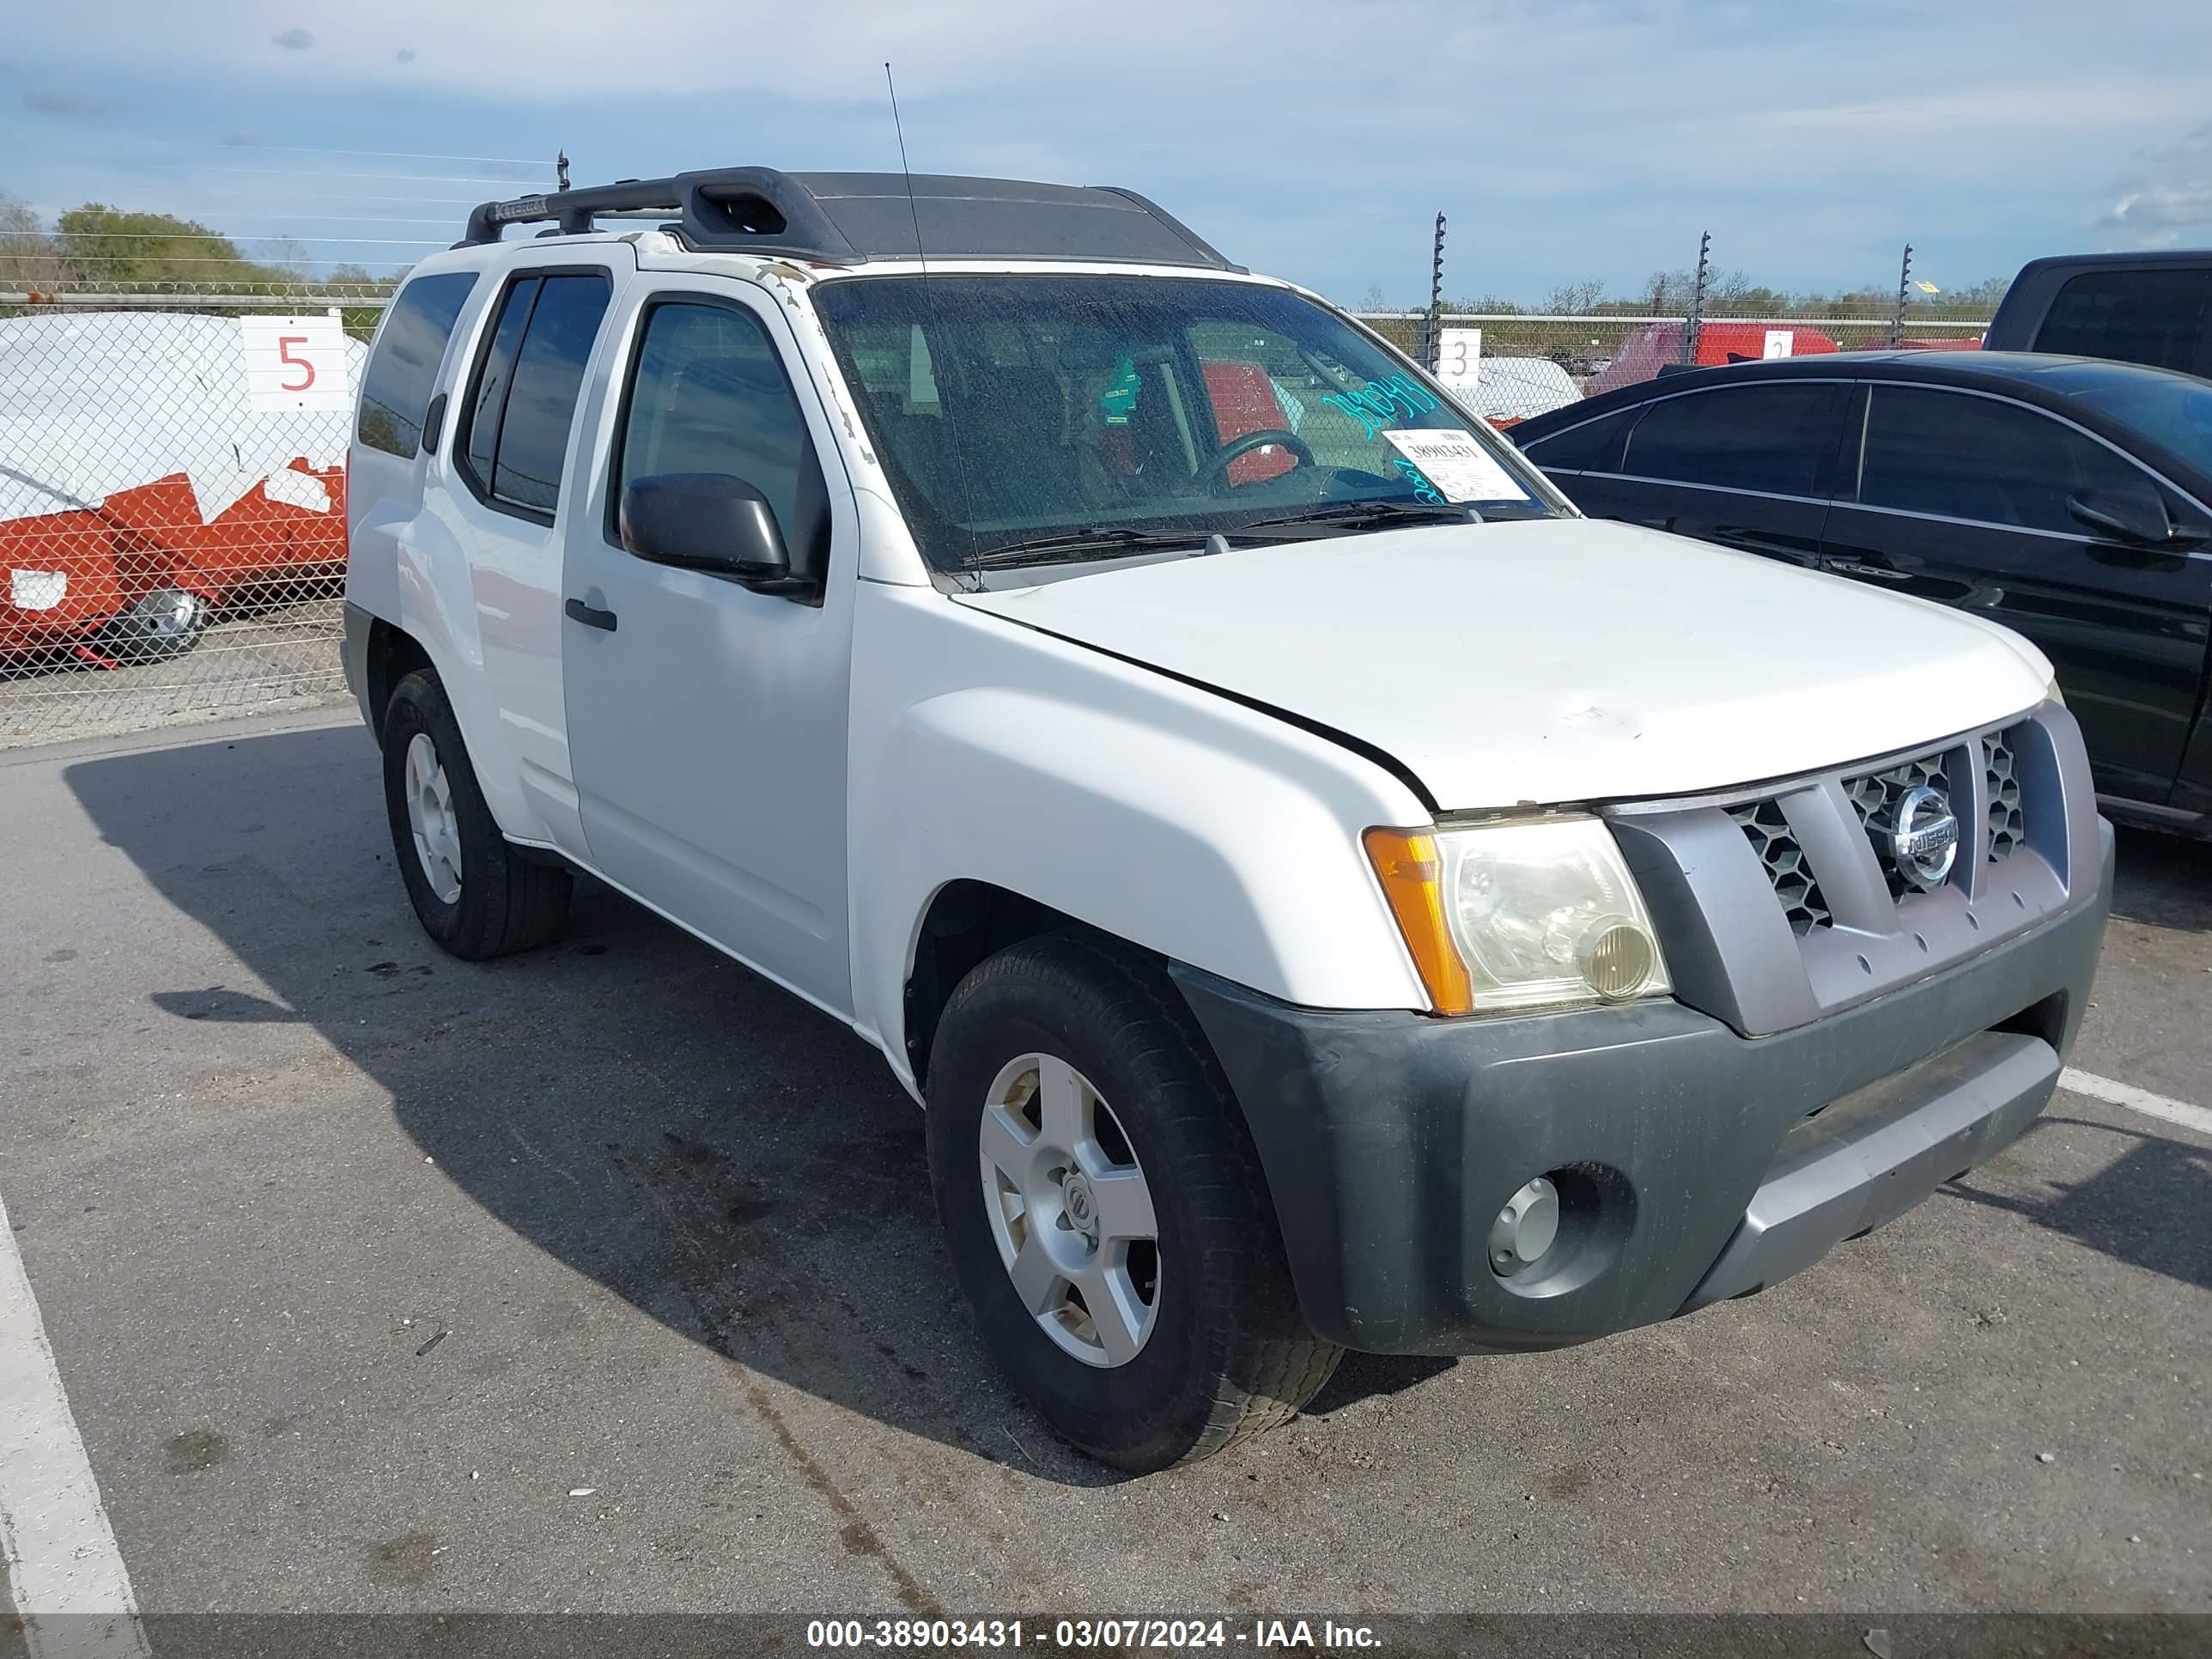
1694	1164
1874	1155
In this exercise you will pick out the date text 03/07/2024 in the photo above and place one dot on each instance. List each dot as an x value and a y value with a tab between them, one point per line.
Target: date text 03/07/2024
1081	1635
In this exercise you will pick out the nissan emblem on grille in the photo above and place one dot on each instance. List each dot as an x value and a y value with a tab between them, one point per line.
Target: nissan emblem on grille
1923	837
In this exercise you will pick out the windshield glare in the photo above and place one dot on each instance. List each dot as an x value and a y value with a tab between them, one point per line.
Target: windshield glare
1009	409
2174	411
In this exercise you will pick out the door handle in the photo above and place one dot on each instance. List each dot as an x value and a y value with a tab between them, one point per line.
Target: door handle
1880	572
590	617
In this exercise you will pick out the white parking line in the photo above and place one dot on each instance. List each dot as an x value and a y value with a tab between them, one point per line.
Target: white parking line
2137	1100
64	1573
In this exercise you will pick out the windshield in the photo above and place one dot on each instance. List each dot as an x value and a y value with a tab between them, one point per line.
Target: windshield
1047	418
2172	410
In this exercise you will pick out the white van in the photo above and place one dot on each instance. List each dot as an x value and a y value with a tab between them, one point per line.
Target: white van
1325	892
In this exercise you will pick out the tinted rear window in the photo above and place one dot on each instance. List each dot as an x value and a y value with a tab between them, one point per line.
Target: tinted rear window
524	397
533	437
1593	447
2162	318
403	370
1768	438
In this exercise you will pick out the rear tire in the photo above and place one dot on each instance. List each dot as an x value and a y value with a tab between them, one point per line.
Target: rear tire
473	893
1211	1345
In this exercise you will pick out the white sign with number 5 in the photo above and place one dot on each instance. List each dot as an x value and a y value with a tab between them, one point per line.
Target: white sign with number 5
296	363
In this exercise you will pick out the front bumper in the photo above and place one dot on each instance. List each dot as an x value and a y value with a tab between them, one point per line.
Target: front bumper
1693	1164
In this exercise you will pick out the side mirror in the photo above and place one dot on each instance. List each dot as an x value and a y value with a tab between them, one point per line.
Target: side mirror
707	521
2132	519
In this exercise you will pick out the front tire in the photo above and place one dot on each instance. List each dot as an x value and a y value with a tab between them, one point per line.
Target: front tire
1105	1208
473	893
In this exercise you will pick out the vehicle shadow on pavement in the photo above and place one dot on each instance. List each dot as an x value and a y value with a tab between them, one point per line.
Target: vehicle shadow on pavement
2145	1207
2163	881
734	1163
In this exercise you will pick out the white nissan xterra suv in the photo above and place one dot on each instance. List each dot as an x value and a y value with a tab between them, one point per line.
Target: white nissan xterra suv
1326	892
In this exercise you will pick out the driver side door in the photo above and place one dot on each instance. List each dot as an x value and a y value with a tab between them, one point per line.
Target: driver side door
707	722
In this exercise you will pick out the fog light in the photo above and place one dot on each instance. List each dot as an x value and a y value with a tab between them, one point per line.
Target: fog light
1526	1227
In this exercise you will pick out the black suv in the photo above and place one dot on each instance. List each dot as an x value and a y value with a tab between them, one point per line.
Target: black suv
2069	499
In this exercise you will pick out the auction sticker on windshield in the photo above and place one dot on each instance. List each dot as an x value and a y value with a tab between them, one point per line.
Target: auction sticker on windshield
1457	464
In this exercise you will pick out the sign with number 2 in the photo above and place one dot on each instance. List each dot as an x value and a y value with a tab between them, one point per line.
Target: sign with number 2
296	363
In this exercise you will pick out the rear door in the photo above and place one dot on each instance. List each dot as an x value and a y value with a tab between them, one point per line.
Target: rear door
1962	497
1747	467
501	490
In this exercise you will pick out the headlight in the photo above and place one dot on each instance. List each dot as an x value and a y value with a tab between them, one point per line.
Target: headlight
1507	916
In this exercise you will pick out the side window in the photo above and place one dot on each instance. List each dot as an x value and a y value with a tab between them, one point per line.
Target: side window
479	439
403	370
2162	318
1967	456
523	398
1769	438
1592	446
709	394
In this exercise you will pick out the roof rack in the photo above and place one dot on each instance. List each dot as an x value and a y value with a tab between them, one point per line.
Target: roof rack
850	218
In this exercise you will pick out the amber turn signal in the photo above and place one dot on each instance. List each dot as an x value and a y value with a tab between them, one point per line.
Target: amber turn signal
1411	873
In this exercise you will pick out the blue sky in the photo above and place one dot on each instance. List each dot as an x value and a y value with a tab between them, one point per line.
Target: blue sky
1565	140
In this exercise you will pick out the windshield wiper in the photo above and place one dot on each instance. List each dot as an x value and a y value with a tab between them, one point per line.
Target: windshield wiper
1098	538
1359	515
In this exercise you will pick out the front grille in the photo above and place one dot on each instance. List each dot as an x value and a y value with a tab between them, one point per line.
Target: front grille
1874	797
1768	831
2006	828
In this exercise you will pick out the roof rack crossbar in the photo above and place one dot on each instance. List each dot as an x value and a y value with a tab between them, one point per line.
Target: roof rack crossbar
849	218
759	209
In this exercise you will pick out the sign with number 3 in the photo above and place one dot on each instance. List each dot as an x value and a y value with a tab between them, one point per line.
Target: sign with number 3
296	363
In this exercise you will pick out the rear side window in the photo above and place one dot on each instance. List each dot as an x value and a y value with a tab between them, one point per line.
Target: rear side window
1593	447
1965	456
1768	438
523	398
403	370
709	395
2162	318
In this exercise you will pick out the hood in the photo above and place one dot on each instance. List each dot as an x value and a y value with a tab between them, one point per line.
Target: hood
1557	660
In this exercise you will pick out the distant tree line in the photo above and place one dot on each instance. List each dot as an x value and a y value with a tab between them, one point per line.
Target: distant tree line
96	244
1731	294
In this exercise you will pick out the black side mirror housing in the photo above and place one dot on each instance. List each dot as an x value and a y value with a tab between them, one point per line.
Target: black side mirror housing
709	521
2142	522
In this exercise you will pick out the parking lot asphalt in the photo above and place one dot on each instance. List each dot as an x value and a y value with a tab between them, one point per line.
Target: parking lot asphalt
607	1277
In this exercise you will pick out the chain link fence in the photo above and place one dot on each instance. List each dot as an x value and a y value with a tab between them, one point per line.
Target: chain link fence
173	514
172	502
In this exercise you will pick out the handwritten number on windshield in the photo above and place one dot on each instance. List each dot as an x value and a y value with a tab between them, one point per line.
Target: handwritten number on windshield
1381	403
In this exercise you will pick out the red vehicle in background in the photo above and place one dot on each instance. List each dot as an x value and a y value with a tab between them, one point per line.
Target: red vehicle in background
1656	345
140	491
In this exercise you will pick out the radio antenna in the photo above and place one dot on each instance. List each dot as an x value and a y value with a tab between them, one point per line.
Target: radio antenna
914	212
929	301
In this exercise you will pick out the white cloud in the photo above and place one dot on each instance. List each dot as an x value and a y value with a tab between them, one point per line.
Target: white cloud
2169	196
